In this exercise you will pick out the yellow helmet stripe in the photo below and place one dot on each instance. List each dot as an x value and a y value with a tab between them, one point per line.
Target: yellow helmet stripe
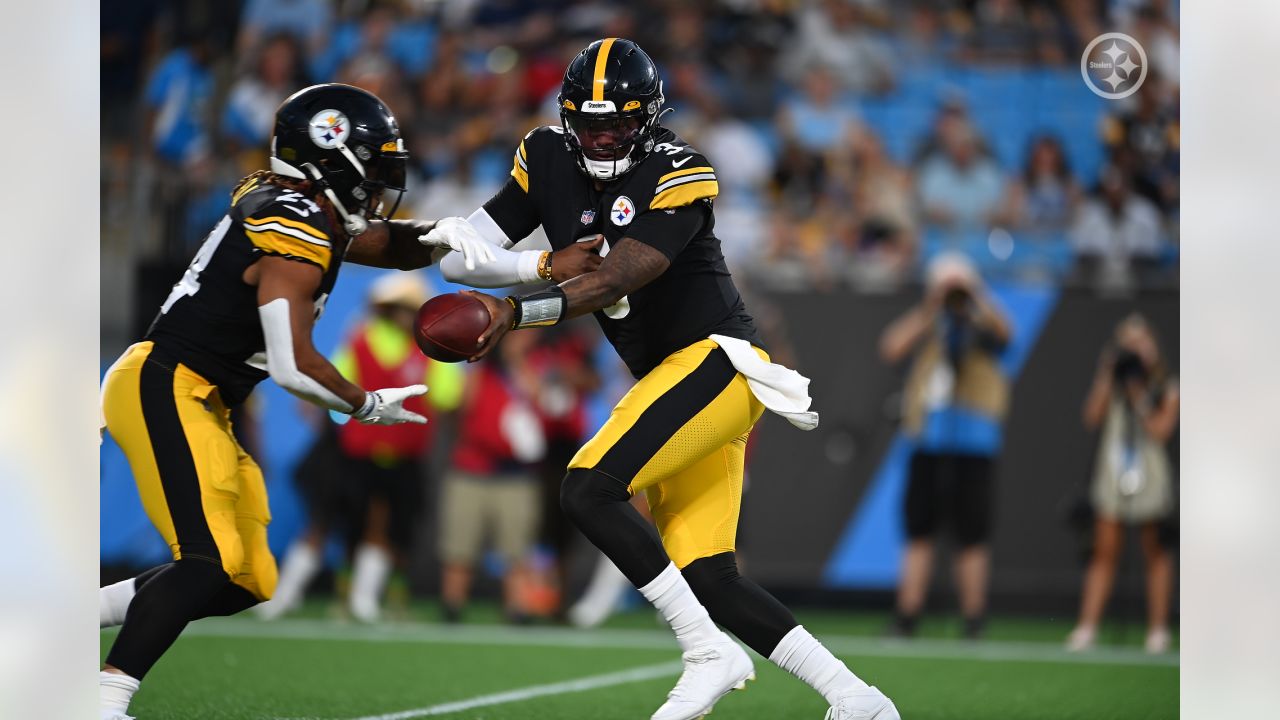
602	56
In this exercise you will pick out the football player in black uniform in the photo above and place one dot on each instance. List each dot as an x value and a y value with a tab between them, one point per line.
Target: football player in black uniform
667	303
241	312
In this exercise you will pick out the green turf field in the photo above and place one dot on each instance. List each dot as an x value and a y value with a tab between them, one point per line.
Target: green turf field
311	667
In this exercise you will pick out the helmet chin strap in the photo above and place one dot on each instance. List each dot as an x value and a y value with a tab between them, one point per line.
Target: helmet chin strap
607	169
353	223
613	169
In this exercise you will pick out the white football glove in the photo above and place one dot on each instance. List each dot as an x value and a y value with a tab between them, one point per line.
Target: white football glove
386	406
456	234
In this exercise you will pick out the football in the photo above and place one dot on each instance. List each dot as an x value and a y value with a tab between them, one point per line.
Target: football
449	325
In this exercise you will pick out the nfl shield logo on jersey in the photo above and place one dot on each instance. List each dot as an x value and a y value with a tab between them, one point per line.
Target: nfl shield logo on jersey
588	216
623	211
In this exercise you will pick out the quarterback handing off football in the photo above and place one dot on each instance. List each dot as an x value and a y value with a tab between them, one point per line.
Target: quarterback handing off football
449	325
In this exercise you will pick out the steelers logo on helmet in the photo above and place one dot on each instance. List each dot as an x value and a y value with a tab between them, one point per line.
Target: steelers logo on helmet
623	211
329	129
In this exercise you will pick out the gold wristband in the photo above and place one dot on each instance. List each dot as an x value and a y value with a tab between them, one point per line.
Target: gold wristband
515	305
544	266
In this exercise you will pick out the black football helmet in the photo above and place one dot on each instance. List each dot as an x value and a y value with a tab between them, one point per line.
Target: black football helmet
346	141
610	102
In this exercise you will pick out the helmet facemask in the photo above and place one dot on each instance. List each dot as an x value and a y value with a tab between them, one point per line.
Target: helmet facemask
385	170
357	201
608	144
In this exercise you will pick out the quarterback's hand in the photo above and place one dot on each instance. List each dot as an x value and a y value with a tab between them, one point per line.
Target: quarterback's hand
501	317
386	406
456	234
579	258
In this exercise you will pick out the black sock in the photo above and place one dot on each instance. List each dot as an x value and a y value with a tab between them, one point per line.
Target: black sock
741	606
975	627
160	610
600	506
904	625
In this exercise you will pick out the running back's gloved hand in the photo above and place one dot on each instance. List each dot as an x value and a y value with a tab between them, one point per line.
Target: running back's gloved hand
386	406
456	234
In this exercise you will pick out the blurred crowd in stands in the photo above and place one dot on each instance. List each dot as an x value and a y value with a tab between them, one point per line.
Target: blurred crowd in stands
854	139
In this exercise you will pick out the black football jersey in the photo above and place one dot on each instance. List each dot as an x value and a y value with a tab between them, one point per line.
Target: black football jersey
210	320
664	202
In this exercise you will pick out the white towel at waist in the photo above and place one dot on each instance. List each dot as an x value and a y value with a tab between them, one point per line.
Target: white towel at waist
778	388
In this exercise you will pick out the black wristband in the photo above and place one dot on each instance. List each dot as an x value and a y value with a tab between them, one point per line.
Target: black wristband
541	309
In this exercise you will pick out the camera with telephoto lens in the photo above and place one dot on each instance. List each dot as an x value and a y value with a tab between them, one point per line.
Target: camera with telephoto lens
957	301
1129	366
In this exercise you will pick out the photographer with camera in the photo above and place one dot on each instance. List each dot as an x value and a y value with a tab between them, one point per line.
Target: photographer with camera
954	404
1135	402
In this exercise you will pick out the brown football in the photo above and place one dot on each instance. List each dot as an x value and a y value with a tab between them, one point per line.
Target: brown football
449	325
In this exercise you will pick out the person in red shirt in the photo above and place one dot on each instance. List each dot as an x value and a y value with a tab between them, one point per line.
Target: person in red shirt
382	473
492	487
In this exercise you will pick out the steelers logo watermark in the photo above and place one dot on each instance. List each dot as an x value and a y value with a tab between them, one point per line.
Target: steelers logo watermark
1114	66
329	129
623	211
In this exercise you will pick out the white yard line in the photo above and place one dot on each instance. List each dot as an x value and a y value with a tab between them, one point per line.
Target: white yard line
593	682
500	635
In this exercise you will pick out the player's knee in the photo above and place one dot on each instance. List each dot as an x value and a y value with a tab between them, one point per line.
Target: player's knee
584	489
190	577
707	575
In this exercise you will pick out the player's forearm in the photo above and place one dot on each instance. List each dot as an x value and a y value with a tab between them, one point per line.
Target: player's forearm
628	267
591	292
392	244
325	375
507	268
297	367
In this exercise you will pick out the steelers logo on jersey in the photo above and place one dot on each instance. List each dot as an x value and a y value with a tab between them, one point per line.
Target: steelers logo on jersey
623	211
329	129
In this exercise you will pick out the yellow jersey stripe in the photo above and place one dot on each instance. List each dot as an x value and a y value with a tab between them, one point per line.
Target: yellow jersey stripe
278	243
520	174
523	155
286	230
235	198
308	229
685	194
602	57
682	180
686	171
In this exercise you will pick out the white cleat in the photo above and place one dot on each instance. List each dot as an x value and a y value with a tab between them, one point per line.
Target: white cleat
711	671
115	715
1158	642
1081	639
865	704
